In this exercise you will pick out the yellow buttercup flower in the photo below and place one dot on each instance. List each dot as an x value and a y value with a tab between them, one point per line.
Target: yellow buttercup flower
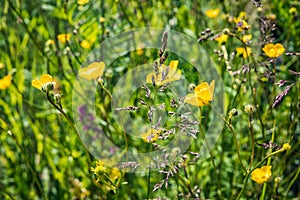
222	39
286	147
85	44
5	82
242	15
1	65
261	175
212	13
93	71
165	74
114	174
203	94
49	42
100	168
139	51
273	51
45	81
102	20
242	51
246	38
82	2
63	38
293	10
241	24
151	135
106	176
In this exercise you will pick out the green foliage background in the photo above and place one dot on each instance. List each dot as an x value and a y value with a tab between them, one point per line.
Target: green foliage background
40	155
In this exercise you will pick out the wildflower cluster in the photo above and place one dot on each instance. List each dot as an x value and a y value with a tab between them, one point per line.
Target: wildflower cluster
110	177
216	117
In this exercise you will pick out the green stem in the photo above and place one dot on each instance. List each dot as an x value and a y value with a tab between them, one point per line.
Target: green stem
149	171
210	153
107	92
6	192
185	182
30	168
252	142
292	182
244	186
234	136
71	124
263	194
110	96
188	183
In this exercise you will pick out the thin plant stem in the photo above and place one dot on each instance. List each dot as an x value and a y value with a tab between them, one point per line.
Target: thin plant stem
70	123
188	184
263	194
107	92
210	153
234	136
185	182
39	186
291	183
249	79
149	171
4	190
244	186
252	142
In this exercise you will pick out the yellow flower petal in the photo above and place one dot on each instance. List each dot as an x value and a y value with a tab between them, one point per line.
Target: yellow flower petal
82	2
85	44
286	147
93	71
241	24
46	78
166	74
261	175
205	91
203	94
174	64
114	174
5	82
151	135
293	10
50	42
191	99
102	19
43	80
212	13
242	51
246	38
273	51
242	15
37	84
63	38
222	39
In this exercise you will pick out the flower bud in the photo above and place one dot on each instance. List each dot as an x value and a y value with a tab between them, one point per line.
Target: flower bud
109	73
48	86
277	180
226	31
249	109
57	98
286	147
233	112
191	87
